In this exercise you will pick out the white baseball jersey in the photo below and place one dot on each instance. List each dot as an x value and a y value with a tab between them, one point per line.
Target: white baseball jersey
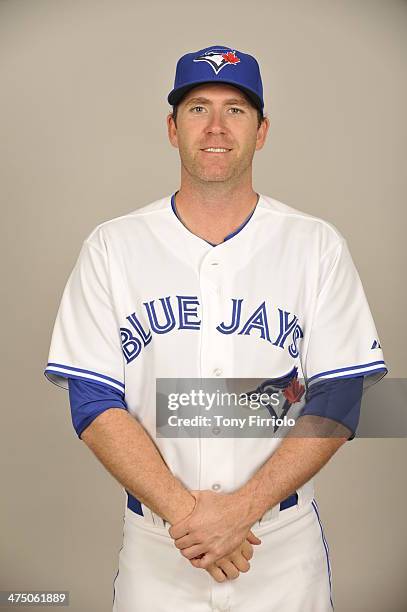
147	298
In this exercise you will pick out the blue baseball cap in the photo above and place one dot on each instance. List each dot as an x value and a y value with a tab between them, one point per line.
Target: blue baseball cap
218	64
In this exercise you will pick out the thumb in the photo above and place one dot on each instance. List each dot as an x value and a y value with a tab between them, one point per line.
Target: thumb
252	538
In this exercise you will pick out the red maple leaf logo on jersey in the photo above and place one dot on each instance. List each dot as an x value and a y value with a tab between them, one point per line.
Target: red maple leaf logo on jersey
294	391
230	57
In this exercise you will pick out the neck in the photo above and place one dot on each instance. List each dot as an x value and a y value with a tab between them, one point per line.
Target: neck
214	210
226	198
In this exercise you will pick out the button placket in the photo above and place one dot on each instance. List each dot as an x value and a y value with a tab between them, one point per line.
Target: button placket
212	359
215	465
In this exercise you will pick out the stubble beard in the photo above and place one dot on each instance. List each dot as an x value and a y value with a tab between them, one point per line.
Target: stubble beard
210	173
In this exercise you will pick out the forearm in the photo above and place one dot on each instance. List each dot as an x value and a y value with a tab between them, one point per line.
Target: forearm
295	461
126	450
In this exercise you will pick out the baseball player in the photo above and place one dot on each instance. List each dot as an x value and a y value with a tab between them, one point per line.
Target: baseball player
216	281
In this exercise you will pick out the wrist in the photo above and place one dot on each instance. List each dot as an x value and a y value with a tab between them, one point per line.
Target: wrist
253	504
182	505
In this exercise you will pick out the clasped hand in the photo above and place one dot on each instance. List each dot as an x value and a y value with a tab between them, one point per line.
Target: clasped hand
216	535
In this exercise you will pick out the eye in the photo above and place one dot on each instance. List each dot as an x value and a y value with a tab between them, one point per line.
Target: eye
194	107
236	109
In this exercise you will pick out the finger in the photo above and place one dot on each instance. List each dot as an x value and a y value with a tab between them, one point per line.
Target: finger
229	568
212	557
186	541
206	561
239	562
247	550
253	539
193	551
179	530
216	573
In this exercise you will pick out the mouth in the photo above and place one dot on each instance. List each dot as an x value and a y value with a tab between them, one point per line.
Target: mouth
216	150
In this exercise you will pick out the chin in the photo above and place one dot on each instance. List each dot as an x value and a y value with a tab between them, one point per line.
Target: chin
214	175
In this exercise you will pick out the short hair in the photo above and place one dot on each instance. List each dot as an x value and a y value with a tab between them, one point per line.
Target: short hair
260	116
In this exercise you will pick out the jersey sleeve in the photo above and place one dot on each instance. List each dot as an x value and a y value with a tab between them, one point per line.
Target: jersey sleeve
343	340
86	342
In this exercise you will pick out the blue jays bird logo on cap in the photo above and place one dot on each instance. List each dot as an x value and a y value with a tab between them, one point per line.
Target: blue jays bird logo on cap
192	69
218	59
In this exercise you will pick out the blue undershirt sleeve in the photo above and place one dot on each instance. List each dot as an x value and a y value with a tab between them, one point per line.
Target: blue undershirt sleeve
338	399
89	399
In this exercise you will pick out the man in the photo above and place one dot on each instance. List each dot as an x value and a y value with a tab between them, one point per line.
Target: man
216	282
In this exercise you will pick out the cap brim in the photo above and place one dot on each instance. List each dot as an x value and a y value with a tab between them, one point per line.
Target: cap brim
175	96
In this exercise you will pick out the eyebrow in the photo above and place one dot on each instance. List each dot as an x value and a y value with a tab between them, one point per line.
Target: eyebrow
240	101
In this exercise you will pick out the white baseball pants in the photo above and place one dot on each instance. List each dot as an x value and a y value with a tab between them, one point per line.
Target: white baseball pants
290	570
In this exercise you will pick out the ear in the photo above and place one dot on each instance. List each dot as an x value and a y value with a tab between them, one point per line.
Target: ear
172	131
262	133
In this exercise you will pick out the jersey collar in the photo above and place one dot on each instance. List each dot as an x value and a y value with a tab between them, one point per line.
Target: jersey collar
236	231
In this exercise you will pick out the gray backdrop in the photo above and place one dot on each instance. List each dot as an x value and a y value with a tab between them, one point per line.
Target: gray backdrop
83	140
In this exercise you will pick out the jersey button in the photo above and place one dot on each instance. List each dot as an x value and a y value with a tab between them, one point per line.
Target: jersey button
216	486
217	372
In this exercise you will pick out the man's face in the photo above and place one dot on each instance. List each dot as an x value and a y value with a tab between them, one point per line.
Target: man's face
215	115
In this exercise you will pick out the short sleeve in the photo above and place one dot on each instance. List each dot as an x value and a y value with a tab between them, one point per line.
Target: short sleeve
86	341
343	340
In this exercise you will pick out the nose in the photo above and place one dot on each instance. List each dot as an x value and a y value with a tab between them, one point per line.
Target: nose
216	122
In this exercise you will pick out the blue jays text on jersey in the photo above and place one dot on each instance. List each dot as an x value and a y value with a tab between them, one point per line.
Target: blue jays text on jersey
180	312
